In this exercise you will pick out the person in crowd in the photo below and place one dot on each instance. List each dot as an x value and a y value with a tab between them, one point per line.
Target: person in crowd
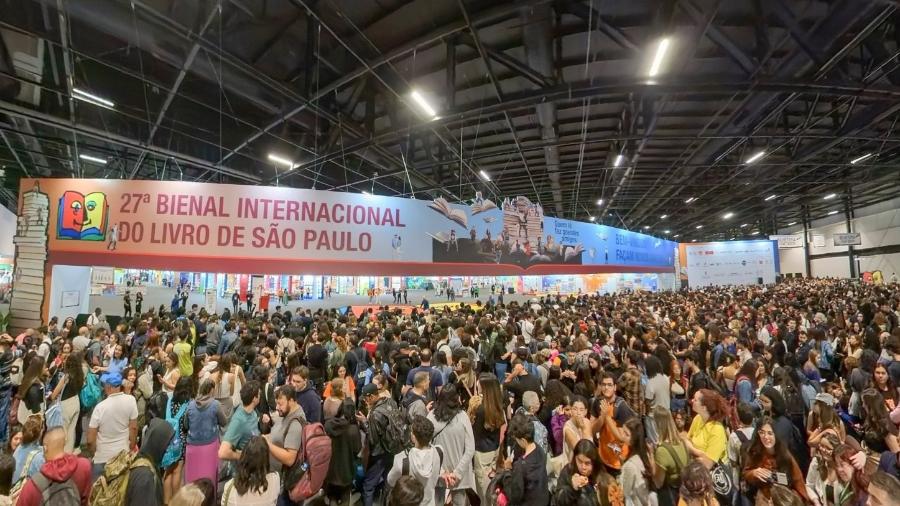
696	486
228	378
29	455
203	419
254	483
527	483
172	374
346	444
637	471
7	466
59	467
453	433
423	461
408	491
488	425
883	489
436	378
578	426
577	483
768	462
173	460
774	406
285	438
706	439
113	424
243	425
307	397
669	458
145	484
380	409
32	389
415	401
610	413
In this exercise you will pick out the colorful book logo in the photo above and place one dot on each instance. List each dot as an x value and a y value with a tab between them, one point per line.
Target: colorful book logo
82	217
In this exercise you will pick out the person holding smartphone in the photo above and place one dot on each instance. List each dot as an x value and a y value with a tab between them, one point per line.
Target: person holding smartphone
768	462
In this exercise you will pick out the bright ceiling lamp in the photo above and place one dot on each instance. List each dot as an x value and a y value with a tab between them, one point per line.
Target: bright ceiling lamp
280	160
756	156
599	202
89	158
829	196
664	216
667	232
863	157
743	225
593	218
619	159
365	192
484	175
676	236
692	199
423	104
831	212
646	227
770	197
727	216
90	98
791	224
698	227
661	50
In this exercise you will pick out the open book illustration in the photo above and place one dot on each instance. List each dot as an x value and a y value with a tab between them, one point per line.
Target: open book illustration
482	206
82	217
441	237
442	206
572	251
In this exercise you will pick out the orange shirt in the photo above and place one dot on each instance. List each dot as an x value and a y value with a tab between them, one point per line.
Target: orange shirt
349	388
612	451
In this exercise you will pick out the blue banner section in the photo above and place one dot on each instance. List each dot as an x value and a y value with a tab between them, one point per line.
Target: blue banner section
601	244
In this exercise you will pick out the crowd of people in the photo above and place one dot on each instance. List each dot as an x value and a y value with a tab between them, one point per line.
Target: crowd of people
763	395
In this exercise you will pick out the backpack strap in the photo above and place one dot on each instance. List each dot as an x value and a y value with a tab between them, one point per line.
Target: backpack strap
673	454
28	460
405	468
440	456
227	493
41	482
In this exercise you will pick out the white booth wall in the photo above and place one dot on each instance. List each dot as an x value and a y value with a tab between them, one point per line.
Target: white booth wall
878	225
70	291
7	231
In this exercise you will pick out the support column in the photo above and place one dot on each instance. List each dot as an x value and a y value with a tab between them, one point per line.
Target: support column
848	215
806	261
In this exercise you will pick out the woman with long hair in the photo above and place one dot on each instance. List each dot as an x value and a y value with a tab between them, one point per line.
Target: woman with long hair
170	379
7	467
463	376
345	446
31	390
225	381
768	462
202	420
584	381
879	433
882	382
745	383
577	481
578	426
453	433
696	486
349	385
637	471
173	460
488	430
706	438
821	479
253	483
69	387
670	457
678	387
824	420
334	399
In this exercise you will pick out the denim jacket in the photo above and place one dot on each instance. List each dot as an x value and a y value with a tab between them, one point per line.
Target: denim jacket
204	417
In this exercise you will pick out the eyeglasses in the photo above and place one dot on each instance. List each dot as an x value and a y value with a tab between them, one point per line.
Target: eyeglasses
607	385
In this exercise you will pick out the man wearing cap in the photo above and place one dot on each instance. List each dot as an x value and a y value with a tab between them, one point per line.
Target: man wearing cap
113	425
375	427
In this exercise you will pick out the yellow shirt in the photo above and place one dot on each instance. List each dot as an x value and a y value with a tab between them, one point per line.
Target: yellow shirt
709	437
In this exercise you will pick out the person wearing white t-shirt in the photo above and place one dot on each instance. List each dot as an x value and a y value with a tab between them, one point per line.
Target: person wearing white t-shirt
527	328
94	318
113	425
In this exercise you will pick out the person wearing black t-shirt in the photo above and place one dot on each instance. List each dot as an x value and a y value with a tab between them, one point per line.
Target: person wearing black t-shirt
527	484
519	381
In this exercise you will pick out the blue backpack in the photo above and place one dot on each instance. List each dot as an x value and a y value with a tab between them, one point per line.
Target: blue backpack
91	392
174	450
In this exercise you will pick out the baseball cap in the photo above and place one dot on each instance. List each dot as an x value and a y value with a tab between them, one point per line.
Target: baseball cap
370	389
826	398
112	379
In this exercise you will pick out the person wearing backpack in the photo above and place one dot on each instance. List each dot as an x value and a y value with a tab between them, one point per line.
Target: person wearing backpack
113	424
454	434
422	462
286	436
63	480
415	401
739	439
670	457
380	427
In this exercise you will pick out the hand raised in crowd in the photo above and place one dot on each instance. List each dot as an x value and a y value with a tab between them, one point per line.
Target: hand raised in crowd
579	481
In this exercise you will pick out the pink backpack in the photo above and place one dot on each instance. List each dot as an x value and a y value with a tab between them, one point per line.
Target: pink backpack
314	457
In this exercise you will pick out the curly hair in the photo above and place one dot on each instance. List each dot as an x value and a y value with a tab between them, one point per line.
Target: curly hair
253	467
714	403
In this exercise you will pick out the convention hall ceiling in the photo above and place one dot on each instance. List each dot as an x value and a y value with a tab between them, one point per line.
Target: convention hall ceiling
739	117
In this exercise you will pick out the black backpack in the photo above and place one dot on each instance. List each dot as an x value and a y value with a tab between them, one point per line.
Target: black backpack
396	430
794	405
56	493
